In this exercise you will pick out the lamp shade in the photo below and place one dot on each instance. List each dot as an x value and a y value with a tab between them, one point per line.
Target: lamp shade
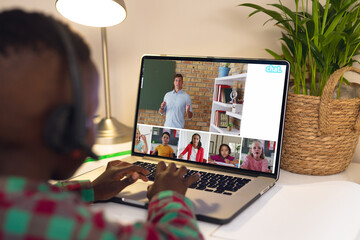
94	13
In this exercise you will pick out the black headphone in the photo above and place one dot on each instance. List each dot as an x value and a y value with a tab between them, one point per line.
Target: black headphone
65	129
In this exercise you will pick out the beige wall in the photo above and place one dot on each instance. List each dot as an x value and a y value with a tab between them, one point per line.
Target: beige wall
190	27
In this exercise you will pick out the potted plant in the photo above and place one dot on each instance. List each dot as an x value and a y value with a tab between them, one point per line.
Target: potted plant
319	41
229	126
224	70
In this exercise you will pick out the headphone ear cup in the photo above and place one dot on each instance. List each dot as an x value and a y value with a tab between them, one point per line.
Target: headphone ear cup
58	129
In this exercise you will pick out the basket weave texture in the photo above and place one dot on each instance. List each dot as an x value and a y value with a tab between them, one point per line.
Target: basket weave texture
321	133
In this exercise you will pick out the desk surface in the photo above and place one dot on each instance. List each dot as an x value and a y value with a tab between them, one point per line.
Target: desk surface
127	214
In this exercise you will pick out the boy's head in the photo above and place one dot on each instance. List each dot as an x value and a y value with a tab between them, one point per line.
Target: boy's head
35	81
165	138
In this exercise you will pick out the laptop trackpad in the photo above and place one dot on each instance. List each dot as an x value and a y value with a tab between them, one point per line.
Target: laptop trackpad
135	192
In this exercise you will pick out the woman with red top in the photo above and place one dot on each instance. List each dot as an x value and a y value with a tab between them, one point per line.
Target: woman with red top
194	149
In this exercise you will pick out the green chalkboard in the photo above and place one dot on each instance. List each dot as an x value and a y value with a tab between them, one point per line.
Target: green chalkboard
157	80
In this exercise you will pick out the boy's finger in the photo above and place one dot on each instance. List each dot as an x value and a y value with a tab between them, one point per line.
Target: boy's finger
182	171
143	177
191	179
172	167
128	181
149	194
123	171
113	163
160	167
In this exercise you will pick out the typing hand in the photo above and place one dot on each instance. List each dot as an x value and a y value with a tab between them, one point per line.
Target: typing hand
116	177
170	178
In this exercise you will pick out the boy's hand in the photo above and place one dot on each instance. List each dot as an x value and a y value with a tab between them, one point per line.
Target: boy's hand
116	177
170	178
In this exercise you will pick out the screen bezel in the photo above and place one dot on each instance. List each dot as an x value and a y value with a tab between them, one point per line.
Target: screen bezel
277	158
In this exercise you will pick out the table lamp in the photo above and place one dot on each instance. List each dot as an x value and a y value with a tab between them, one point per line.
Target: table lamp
100	13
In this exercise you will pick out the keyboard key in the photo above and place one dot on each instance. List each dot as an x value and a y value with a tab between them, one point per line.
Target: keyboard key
200	187
219	190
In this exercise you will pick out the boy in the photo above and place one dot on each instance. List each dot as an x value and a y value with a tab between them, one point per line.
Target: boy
164	150
36	90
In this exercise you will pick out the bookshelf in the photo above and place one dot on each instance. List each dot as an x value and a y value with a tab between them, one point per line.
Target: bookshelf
234	115
220	104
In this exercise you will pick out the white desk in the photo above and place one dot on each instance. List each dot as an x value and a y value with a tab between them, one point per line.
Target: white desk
127	214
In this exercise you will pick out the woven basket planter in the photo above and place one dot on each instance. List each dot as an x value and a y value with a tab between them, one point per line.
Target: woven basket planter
321	133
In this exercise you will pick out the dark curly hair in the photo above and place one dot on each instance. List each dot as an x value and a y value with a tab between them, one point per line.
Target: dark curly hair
35	31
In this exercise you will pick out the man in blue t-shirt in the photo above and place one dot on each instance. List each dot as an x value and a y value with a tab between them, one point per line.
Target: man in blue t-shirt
176	103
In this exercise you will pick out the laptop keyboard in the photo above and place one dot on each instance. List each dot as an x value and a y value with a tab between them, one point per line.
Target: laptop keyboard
210	182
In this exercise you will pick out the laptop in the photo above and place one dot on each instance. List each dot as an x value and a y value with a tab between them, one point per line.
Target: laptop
233	107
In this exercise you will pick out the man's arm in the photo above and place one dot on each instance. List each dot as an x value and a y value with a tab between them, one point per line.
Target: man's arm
188	108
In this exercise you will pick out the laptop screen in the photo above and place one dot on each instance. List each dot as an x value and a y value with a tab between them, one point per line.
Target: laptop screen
222	112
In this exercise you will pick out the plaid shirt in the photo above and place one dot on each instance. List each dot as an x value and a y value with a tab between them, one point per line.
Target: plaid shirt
37	210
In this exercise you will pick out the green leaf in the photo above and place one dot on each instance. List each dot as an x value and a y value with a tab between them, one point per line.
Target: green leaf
346	81
285	10
275	55
289	43
324	14
333	24
315	18
331	38
286	52
273	14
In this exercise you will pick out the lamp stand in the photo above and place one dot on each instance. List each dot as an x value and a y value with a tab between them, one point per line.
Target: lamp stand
110	130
